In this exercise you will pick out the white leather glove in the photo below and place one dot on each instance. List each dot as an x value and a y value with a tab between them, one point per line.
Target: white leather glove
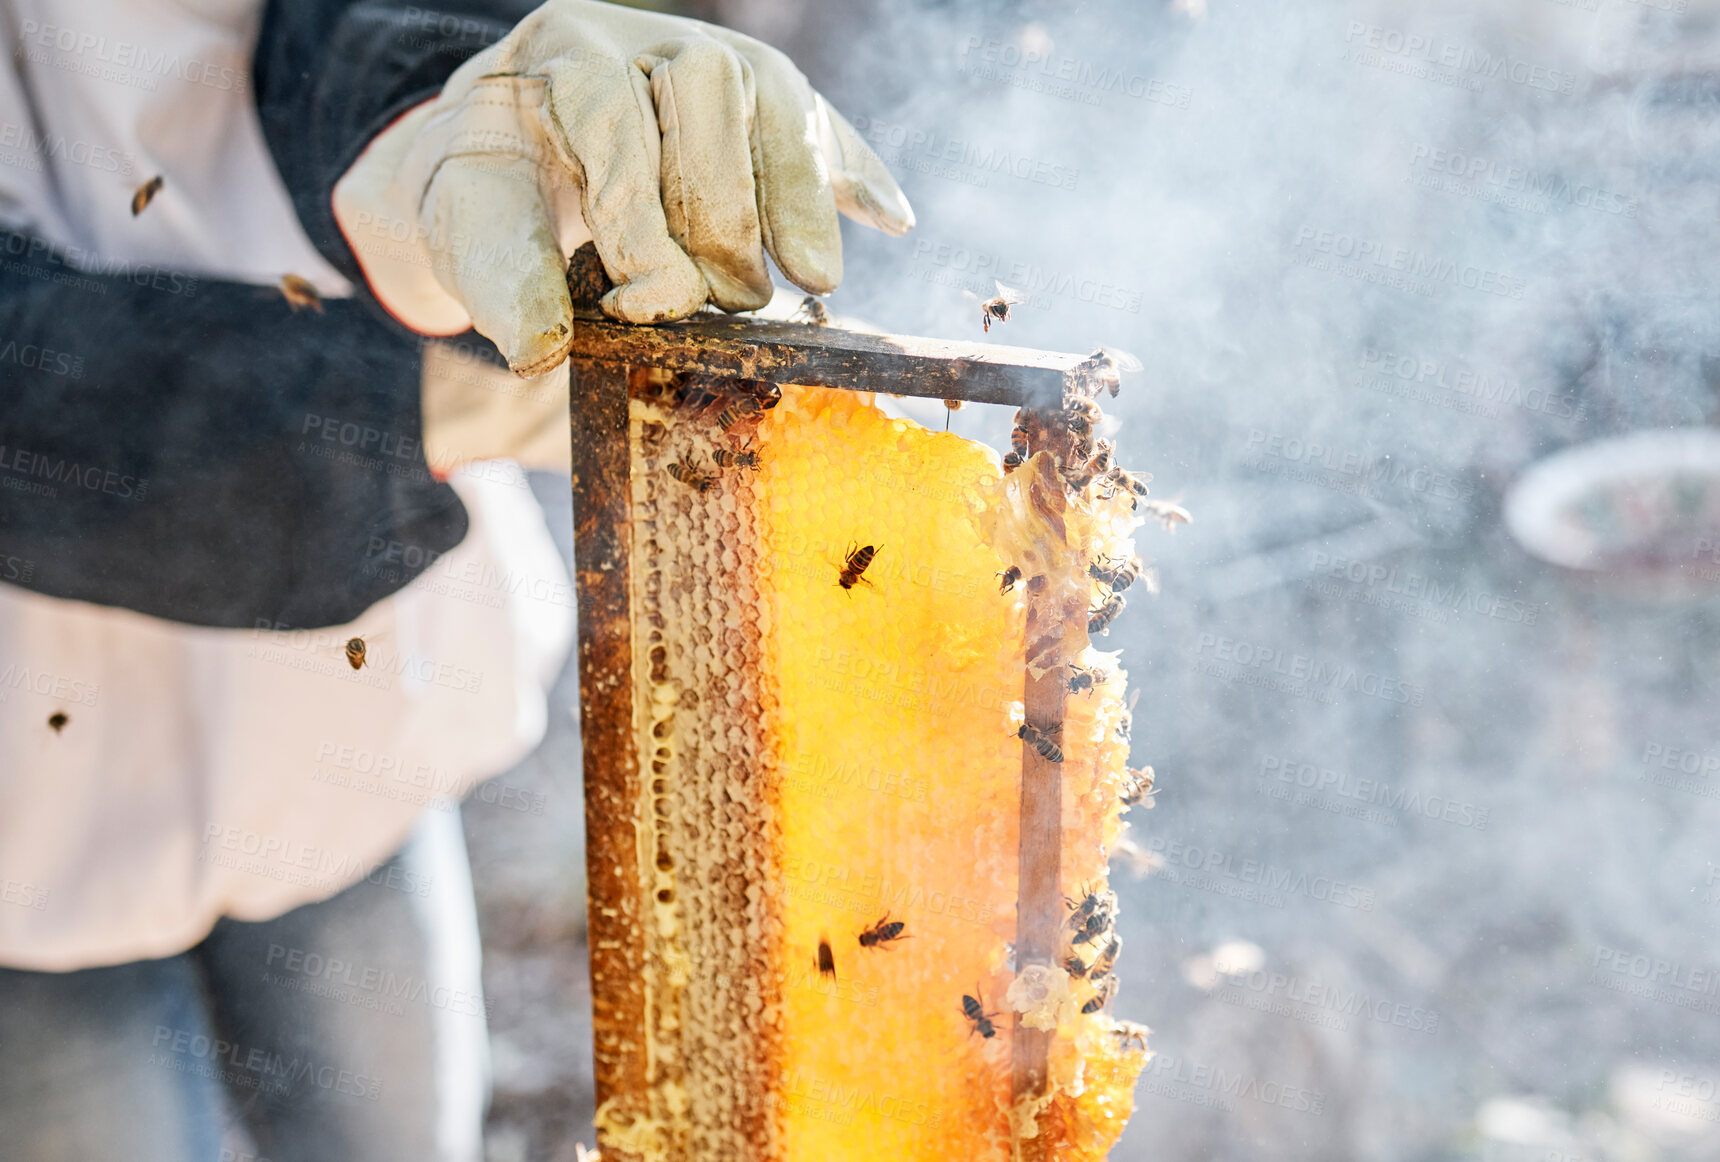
684	150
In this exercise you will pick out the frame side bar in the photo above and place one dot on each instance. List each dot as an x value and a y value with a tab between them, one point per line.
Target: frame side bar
614	926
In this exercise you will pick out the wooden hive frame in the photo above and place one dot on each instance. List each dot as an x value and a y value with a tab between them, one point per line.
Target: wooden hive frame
608	361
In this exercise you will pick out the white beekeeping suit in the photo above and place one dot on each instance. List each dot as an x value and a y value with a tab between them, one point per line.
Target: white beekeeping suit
201	772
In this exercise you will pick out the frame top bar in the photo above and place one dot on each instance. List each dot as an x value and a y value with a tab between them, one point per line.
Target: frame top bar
806	353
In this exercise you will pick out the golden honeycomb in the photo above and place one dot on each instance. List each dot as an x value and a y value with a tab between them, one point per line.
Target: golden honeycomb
823	762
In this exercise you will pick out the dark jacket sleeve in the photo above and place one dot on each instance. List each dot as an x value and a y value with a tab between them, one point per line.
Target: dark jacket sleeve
197	450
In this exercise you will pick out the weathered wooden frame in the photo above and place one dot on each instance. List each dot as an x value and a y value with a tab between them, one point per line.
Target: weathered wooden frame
607	358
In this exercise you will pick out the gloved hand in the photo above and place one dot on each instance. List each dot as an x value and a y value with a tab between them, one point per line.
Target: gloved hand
684	150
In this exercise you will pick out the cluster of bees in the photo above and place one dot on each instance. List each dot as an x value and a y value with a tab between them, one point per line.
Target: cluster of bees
737	406
1091	925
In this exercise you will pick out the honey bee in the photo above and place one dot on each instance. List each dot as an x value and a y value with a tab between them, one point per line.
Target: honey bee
883	933
1115	575
1171	515
951	405
855	564
1082	679
1010	576
1101	998
1139	787
1092	927
1131	1036
1097	465
1018	442
300	294
58	720
145	194
1091	903
813	311
1099	620
1126	722
1107	959
974	1010
1100	370
1131	483
1010	462
826	958
1041	741
1074	966
740	409
727	459
998	306
355	652
690	475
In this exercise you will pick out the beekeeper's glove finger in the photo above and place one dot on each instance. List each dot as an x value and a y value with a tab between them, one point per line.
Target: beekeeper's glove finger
683	150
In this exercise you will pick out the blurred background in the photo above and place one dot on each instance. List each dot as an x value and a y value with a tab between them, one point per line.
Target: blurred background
1434	872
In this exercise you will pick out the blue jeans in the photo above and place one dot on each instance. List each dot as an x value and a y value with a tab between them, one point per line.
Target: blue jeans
350	1030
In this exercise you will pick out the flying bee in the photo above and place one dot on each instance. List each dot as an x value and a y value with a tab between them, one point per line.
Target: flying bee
883	933
1139	787
1040	740
974	1010
1099	620
998	306
1171	515
1131	483
58	720
1082	679
1074	966
1107	959
1100	370
855	564
728	459
1126	722
1010	576
690	475
826	958
300	294
1101	998
1131	1036
145	194
1115	575
812	310
355	652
